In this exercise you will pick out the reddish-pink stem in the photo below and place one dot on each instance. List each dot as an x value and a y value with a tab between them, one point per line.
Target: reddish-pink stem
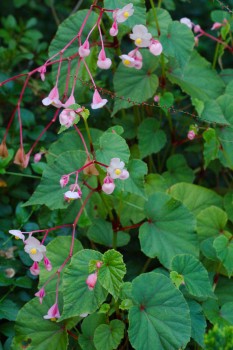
82	139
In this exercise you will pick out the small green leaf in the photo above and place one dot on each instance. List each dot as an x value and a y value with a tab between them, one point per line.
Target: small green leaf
211	145
112	272
178	170
224	249
111	146
126	304
108	336
176	278
88	327
8	310
211	222
198	321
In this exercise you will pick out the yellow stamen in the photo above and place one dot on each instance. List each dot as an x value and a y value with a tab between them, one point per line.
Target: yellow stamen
118	171
16	237
126	14
53	319
33	251
126	62
138	41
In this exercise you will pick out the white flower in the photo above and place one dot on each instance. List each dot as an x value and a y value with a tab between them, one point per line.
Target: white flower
155	47
53	98
67	117
18	234
187	22
35	249
123	14
116	169
70	195
127	60
141	36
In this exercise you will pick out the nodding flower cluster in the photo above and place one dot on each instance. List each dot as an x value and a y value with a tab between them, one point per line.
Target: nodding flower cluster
114	171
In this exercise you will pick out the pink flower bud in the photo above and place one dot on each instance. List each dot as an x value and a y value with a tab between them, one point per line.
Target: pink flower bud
114	29
156	98
40	294
91	280
67	117
108	185
99	264
155	47
42	71
64	180
98	101
53	313
191	135
103	62
84	49
47	264
35	269
216	25
37	157
197	28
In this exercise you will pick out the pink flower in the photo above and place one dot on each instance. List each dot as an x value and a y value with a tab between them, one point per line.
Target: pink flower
216	25
127	60
70	196
197	28
35	249
187	22
108	185
114	29
191	135
91	280
35	269
156	98
69	102
76	187
123	14
40	294
116	169
53	98
67	117
97	101
37	157
53	313
64	180
155	47
141	36
84	49
137	56
42	71
18	234
103	62
47	264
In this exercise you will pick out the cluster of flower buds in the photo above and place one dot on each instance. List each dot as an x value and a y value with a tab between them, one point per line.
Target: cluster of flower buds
35	250
114	171
75	191
193	132
92	278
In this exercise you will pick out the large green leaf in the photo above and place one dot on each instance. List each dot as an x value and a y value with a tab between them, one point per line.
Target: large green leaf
195	276
8	310
178	42
112	145
215	314
192	79
194	197
211	146
170	229
151	138
88	327
135	183
49	191
78	299
40	334
131	208
224	249
198	321
69	29
160	315
178	170
57	256
224	290
135	85
164	19
101	232
211	222
108	336
112	272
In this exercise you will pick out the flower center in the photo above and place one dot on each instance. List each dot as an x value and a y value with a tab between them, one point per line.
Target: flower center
126	62
16	237
138	41
53	319
33	251
118	171
126	14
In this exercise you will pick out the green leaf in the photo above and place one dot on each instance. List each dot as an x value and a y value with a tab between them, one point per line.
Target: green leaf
170	229
224	290
8	310
198	322
178	170
101	232
222	316
192	79
178	42
151	138
211	145
176	278
135	183
224	249
131	208
112	272
108	336
69	29
160	315
155	183
228	205
78	299
212	112
49	191
135	85
194	197
57	252
88	327
112	146
210	222
195	276
33	329
164	19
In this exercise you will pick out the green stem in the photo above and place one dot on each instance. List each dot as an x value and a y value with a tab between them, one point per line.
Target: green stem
24	175
88	134
159	3
155	16
215	55
9	291
147	263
